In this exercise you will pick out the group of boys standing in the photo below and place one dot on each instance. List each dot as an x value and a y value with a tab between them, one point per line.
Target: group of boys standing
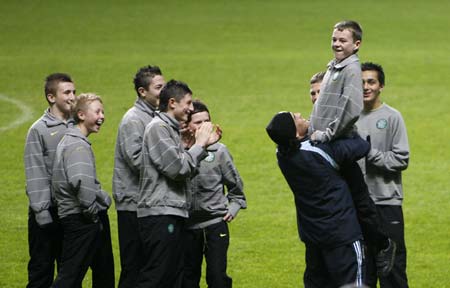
168	185
170	170
349	213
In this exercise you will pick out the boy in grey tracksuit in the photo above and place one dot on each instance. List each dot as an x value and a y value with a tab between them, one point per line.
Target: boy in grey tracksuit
211	209
82	204
382	167
166	169
44	230
334	116
148	83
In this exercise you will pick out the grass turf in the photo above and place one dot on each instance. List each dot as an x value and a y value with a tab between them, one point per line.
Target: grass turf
246	60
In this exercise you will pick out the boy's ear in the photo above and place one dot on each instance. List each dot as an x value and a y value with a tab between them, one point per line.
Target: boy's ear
51	98
171	103
141	91
357	44
81	115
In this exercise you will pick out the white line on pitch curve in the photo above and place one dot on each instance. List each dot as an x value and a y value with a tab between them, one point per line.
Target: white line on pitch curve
25	113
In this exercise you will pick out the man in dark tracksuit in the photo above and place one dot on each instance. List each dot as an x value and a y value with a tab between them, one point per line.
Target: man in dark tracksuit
148	83
44	229
326	217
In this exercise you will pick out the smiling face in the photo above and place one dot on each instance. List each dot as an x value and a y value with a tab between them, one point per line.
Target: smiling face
62	100
371	89
180	110
343	44
91	117
151	94
197	120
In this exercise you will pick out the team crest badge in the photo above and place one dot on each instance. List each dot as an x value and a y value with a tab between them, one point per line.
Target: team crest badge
335	76
382	124
210	157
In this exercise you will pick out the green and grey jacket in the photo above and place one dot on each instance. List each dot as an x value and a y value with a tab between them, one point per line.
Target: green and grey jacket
128	155
388	156
77	189
166	169
209	202
40	147
340	102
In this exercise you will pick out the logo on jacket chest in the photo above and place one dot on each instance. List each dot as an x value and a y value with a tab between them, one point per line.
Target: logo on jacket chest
382	124
210	158
335	76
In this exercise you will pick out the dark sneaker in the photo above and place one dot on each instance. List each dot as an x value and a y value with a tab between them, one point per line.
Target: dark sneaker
385	259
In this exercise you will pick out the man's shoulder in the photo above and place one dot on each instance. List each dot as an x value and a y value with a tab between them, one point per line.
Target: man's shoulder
135	115
389	109
39	124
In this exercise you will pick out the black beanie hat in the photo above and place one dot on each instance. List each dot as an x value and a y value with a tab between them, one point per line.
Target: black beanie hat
281	128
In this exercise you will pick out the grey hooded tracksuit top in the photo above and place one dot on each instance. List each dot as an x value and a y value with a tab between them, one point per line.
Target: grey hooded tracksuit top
128	155
77	189
166	169
40	147
389	154
209	204
341	100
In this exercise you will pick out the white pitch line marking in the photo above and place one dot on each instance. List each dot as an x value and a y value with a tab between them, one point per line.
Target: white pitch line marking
25	115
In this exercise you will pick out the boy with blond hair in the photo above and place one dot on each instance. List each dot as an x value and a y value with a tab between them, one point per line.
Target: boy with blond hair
82	203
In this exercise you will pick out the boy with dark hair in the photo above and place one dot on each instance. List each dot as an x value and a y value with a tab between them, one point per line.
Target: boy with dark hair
163	189
340	102
148	83
211	209
334	116
326	218
383	166
82	204
44	230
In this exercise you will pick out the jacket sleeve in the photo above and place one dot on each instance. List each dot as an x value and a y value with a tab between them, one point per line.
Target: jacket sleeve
351	149
350	105
169	157
233	182
397	158
37	178
80	171
131	144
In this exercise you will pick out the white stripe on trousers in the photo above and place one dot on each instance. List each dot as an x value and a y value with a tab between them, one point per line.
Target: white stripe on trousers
359	259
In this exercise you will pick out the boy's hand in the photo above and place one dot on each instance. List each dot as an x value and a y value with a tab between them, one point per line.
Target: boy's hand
228	217
187	135
215	136
203	134
317	136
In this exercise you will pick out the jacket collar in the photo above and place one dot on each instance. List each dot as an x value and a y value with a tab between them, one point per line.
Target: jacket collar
51	120
75	132
145	107
169	120
334	65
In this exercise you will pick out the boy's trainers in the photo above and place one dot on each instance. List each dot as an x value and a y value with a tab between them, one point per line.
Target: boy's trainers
385	259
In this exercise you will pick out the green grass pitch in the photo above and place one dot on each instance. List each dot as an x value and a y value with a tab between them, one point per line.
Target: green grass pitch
246	60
